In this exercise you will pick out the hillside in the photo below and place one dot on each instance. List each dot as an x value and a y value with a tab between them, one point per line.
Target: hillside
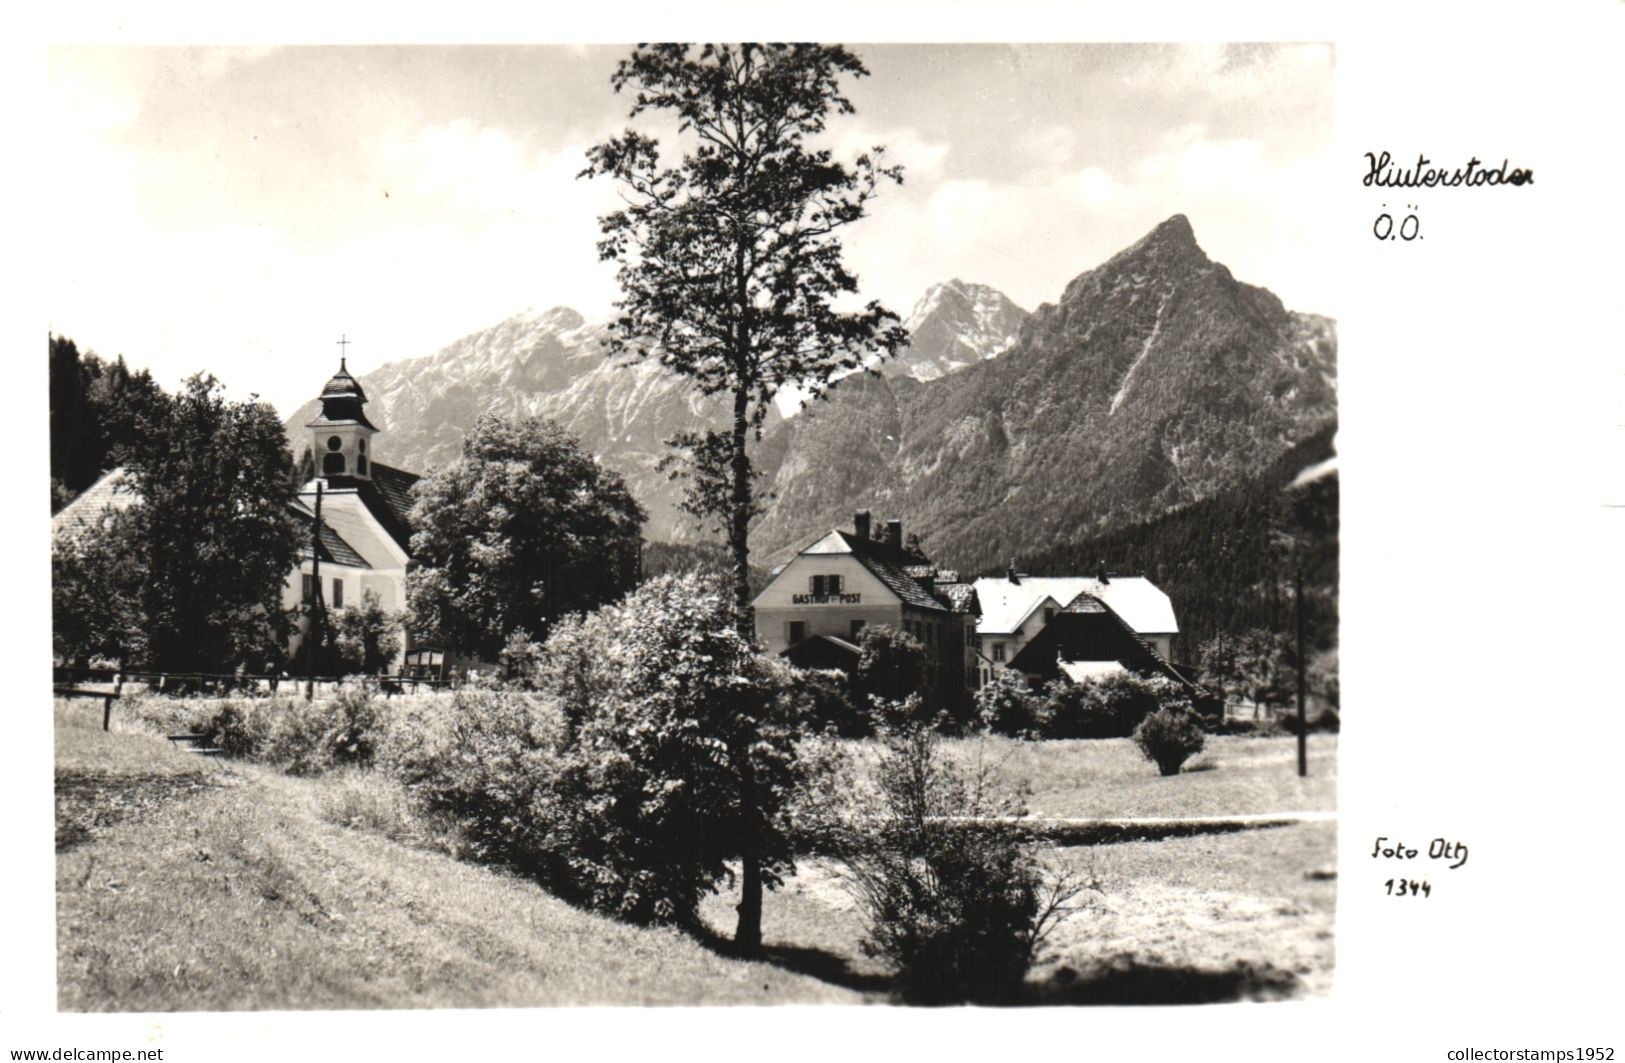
1156	381
1222	560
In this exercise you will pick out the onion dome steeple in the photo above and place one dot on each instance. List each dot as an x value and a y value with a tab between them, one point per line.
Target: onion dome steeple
341	435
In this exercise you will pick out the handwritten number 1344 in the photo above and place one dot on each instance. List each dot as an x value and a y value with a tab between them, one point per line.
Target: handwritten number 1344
1409	887
1408	229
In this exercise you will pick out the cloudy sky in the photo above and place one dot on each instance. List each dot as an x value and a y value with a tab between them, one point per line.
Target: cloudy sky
239	210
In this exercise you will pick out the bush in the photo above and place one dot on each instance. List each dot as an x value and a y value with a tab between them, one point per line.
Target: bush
827	704
1168	738
487	761
366	639
956	909
298	736
1110	706
1008	706
683	758
890	665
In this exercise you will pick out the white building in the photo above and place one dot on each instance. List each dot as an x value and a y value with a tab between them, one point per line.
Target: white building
1016	607
816	606
366	538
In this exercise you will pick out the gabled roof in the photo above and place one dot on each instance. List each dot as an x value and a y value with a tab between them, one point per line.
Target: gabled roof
890	565
961	597
388	497
1090	631
892	572
1006	606
113	493
334	549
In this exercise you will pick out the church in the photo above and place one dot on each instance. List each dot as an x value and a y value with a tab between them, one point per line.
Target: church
365	541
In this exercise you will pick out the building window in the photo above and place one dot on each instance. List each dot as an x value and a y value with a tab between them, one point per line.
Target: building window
361	465
1049	613
334	442
338	594
998	652
307	589
361	445
823	585
857	629
795	631
332	464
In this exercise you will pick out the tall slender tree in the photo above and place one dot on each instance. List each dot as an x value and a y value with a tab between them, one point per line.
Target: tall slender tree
730	259
731	270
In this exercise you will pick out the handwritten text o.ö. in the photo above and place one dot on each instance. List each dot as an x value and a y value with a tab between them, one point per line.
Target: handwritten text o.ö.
1382	173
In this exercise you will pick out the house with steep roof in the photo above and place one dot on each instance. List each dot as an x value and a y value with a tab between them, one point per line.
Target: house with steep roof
815	607
1016	609
1089	640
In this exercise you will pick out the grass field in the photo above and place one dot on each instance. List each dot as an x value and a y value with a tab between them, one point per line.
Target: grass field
191	884
1232	776
243	894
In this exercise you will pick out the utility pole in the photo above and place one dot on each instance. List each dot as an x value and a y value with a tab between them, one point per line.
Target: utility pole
1303	716
313	632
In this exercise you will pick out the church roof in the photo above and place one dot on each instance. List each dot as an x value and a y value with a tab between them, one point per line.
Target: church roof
334	549
343	385
342	401
387	496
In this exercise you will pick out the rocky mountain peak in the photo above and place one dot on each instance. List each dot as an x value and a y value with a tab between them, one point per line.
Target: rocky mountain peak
956	324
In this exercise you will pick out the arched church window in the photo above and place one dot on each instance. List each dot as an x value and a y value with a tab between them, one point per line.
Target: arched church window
334	442
332	464
361	445
361	464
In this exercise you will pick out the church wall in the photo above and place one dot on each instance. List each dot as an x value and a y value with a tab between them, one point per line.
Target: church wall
345	513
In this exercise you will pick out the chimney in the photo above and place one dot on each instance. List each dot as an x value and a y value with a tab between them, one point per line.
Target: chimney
1100	573
860	524
1011	574
894	534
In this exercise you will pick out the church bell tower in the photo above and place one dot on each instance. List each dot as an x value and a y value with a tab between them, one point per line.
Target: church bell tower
341	435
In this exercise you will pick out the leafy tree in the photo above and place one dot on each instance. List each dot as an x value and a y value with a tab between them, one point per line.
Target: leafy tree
730	260
213	536
730	263
891	664
523	529
1007	705
684	749
96	411
95	594
1257	666
367	637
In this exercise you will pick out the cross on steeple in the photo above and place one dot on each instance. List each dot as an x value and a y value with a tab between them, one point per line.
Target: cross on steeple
343	342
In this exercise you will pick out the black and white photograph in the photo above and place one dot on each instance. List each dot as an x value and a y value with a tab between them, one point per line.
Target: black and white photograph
544	527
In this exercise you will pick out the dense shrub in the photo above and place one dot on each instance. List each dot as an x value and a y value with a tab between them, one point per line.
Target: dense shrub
487	761
366	638
300	737
956	909
1168	738
827	704
1110	706
1007	705
683	759
657	748
890	665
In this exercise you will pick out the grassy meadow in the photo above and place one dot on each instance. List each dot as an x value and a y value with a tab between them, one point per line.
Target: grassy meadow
187	883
